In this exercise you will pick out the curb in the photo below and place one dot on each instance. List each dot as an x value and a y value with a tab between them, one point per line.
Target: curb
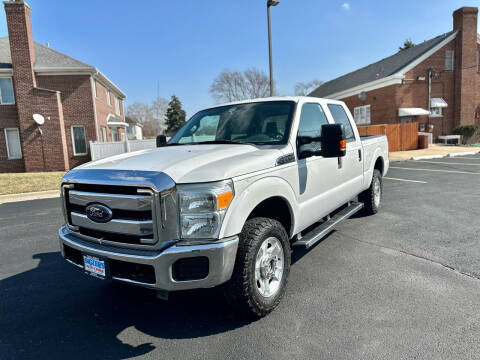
462	153
428	157
29	196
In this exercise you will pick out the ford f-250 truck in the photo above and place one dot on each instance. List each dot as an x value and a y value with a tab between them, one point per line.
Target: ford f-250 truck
225	200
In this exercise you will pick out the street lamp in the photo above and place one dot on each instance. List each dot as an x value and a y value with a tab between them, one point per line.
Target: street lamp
270	3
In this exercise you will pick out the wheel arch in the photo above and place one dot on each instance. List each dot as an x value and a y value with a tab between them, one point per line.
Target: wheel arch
271	197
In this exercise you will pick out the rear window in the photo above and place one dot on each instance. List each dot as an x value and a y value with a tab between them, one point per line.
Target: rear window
340	117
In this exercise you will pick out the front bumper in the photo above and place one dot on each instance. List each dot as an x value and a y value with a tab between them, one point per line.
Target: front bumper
221	259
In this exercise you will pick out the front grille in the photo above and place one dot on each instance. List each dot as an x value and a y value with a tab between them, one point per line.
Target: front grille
133	213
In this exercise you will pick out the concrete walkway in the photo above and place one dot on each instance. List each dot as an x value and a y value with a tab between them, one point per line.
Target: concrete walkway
29	196
433	151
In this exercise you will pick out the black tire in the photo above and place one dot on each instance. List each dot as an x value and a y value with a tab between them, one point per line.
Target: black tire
371	206
242	290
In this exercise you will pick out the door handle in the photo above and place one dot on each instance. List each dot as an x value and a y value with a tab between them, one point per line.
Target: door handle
359	155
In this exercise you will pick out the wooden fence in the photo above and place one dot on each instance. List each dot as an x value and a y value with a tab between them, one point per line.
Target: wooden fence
400	136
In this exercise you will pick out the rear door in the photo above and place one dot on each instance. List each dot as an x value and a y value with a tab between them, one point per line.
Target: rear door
351	166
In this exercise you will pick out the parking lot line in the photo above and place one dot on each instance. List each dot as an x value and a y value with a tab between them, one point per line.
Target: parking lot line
407	180
448	162
436	170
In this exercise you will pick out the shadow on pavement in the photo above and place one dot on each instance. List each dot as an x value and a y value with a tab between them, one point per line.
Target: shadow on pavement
55	311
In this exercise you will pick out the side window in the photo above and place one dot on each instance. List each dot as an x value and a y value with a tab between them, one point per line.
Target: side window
340	117
311	120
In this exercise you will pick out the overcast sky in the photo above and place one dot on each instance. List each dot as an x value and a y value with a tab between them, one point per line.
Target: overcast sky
183	45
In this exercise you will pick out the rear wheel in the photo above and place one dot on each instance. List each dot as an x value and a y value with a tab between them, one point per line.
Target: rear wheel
372	197
261	268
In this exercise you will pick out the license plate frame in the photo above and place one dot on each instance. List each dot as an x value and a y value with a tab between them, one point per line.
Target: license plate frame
92	265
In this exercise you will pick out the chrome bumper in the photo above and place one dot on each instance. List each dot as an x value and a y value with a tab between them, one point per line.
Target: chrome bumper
221	256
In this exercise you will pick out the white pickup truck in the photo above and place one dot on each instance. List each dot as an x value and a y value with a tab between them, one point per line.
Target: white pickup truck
225	200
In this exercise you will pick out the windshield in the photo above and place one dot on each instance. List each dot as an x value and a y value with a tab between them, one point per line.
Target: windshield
262	123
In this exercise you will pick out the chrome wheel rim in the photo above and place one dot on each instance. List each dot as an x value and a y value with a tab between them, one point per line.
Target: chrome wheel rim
377	191
269	265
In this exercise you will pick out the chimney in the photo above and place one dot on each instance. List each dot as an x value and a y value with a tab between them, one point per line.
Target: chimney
465	22
21	40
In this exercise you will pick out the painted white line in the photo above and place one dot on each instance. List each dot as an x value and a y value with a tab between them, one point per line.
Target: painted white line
446	162
462	153
427	157
436	170
407	180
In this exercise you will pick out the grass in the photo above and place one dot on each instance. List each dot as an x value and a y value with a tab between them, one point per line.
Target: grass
29	182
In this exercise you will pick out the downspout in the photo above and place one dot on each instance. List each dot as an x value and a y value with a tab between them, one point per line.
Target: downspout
430	74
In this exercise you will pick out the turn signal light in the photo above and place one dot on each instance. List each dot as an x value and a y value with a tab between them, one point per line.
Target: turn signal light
343	144
223	200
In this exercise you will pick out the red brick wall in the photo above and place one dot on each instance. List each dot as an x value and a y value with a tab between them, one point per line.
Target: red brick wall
103	109
466	74
77	104
45	152
385	101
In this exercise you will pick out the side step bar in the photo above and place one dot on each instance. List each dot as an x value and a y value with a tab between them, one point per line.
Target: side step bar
326	227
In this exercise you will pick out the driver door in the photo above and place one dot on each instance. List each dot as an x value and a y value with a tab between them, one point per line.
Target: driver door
318	177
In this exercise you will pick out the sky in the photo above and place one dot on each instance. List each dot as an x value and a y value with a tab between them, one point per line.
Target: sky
170	47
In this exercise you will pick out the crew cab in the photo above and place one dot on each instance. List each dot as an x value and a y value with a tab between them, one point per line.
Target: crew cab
225	200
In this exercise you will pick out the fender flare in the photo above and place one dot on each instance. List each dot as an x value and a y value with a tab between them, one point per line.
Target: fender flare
251	194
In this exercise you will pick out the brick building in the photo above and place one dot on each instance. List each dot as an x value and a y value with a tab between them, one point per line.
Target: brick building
76	101
434	83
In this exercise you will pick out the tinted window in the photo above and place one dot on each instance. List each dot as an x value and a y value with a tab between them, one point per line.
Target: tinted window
340	117
311	120
259	123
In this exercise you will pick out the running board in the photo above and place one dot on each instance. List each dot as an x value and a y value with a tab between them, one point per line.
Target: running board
326	227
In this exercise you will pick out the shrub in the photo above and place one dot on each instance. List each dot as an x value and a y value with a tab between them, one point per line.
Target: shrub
467	131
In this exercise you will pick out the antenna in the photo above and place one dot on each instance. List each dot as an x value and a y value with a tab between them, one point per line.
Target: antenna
39	119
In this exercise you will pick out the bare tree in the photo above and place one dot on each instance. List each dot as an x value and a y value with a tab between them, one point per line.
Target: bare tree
152	116
303	89
235	85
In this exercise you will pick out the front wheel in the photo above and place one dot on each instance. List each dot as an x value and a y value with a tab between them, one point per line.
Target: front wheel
261	268
372	197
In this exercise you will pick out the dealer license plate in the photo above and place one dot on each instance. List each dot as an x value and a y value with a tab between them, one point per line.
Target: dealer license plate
94	266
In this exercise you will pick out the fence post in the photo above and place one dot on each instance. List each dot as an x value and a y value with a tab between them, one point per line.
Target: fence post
92	152
127	144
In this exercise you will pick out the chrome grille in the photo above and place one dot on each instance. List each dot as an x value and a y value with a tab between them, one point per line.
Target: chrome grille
134	213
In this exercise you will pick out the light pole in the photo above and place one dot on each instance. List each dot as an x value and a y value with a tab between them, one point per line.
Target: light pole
270	3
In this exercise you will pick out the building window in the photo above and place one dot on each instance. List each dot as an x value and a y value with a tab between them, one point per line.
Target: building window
449	60
361	115
117	106
104	134
109	100
12	139
435	111
6	91
79	140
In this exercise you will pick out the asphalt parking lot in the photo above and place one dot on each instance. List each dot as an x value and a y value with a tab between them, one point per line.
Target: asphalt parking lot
403	284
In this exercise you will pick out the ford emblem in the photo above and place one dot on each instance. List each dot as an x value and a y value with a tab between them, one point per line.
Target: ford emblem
99	213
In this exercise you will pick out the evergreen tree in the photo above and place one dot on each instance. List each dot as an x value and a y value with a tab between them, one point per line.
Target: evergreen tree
407	44
175	116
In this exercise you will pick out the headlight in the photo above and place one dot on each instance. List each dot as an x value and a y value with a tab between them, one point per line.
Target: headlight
202	208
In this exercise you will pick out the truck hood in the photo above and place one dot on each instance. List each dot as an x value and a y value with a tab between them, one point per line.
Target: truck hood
195	163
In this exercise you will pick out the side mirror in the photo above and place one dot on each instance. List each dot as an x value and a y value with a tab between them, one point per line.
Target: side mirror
334	143
161	140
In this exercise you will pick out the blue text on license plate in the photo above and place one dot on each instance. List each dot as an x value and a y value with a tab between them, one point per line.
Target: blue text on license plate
94	265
